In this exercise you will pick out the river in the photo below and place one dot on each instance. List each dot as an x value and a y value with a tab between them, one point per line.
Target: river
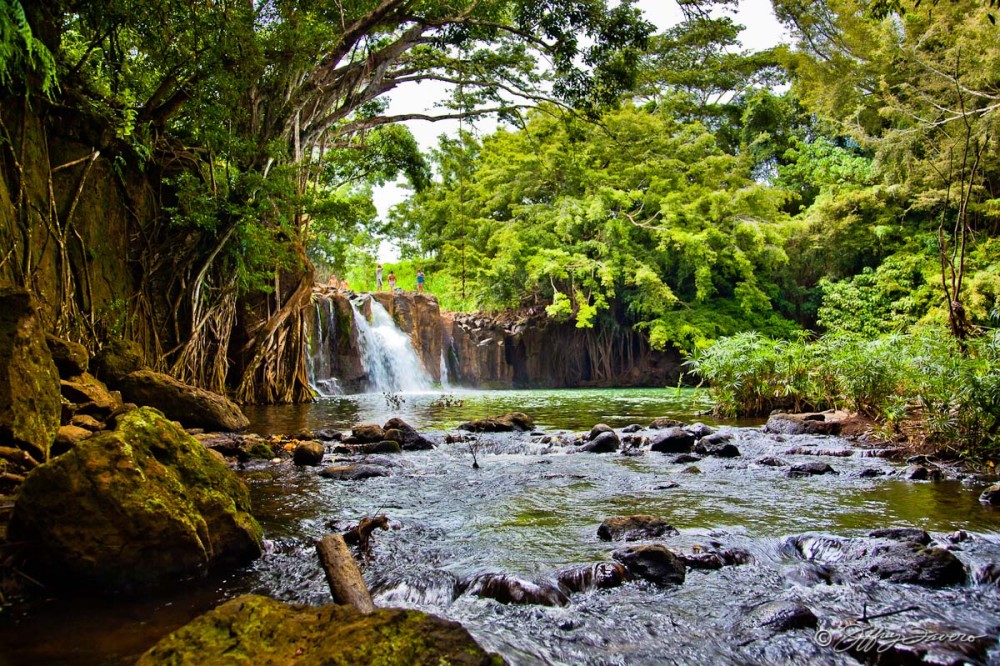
533	508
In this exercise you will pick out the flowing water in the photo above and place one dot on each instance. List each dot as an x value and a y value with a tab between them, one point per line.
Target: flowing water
533	508
387	353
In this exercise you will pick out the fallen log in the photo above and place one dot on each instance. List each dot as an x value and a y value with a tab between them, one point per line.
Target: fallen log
343	575
22	458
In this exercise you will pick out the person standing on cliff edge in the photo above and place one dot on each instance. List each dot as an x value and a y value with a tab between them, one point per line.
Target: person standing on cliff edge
420	280
392	282
378	278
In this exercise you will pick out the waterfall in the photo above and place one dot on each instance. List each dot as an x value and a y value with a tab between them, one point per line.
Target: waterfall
444	371
319	360
390	361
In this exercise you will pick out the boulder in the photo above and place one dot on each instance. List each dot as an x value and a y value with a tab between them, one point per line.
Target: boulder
388	446
512	590
599	429
583	578
512	421
709	446
182	402
366	433
30	408
664	422
69	436
89	395
913	563
906	534
86	421
672	440
634	528
809	469
253	629
921	473
308	453
654	563
398	430
116	360
135	508
71	358
801	424
605	442
353	472
991	495
700	430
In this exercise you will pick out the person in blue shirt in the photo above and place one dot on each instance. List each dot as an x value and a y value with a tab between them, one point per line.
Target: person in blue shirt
420	280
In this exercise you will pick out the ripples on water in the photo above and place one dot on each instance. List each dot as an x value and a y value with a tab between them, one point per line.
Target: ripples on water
533	508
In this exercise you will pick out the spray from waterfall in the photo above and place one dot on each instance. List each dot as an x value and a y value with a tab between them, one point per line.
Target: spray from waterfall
387	353
445	384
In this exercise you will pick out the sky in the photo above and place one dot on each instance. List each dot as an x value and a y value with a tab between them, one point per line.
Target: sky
762	31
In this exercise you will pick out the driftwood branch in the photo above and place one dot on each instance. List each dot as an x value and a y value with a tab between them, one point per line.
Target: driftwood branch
22	458
343	574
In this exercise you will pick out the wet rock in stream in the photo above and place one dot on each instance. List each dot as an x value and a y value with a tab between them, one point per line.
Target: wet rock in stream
634	528
777	616
583	578
604	442
889	559
510	422
398	430
809	469
654	563
308	453
509	589
991	495
353	472
672	440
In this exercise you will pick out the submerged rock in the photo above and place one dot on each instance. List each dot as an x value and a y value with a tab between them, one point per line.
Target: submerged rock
512	590
672	440
778	616
913	563
664	422
654	563
602	575
512	421
631	428
30	408
684	458
134	508
388	447
182	402
634	528
771	461
253	629
398	430
353	472
921	473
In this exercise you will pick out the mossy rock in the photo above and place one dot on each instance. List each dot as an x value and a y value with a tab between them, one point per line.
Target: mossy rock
30	406
257	630
117	359
135	508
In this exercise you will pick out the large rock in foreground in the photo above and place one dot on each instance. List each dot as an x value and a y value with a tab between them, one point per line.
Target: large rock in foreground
29	382
135	508
258	630
192	406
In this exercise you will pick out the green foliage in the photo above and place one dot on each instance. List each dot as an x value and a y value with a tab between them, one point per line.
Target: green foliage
23	57
919	376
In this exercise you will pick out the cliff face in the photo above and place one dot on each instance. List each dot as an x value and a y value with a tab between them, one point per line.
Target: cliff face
497	351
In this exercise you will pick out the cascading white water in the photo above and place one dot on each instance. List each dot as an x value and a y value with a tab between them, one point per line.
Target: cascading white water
444	370
387	353
319	360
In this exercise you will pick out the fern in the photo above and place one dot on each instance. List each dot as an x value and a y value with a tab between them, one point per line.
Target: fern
21	52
